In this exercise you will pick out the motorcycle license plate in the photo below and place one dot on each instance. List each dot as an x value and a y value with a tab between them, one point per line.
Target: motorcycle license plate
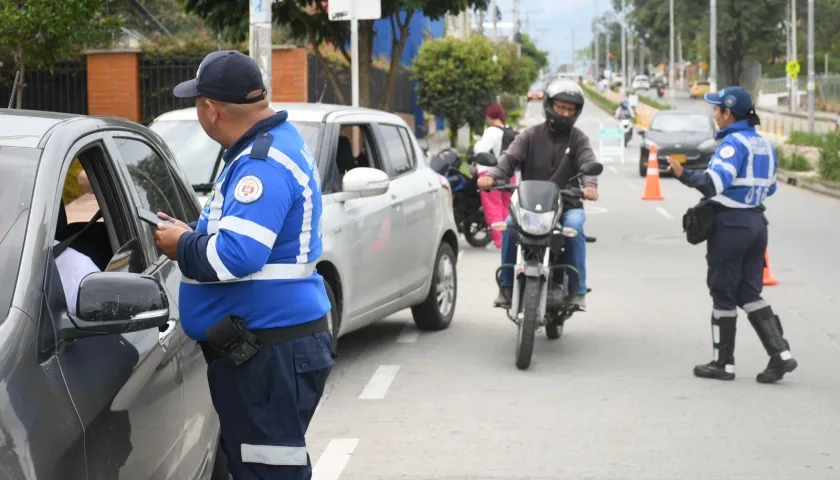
678	158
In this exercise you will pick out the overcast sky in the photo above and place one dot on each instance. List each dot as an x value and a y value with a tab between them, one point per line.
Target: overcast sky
551	23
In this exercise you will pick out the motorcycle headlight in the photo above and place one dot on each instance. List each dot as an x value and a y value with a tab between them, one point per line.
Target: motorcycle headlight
707	145
536	223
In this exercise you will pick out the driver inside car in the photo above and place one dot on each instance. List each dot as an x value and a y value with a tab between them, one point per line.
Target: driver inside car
554	151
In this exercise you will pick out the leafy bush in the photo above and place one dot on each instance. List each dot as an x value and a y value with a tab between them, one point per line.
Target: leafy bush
509	101
830	157
653	103
806	139
599	99
513	116
795	162
72	189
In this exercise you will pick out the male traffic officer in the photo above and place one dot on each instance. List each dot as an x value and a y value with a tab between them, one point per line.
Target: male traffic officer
252	258
741	175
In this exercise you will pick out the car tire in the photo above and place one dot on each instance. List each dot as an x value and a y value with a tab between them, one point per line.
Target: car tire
437	310
220	468
333	317
642	166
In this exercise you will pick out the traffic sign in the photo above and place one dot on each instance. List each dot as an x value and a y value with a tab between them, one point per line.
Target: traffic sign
792	69
704	66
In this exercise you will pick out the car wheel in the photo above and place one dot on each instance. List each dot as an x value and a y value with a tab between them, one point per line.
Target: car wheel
333	316
220	468
642	166
437	310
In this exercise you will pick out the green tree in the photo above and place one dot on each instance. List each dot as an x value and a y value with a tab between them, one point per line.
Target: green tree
457	78
518	71
41	32
529	49
308	21
744	30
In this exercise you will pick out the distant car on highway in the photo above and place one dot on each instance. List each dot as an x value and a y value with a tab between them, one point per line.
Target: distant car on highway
536	91
687	137
390	239
640	82
698	89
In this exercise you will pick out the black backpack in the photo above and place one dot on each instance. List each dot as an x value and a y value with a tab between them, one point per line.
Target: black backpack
507	137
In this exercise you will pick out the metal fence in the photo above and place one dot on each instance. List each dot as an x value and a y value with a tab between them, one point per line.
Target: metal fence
827	86
402	100
158	76
62	88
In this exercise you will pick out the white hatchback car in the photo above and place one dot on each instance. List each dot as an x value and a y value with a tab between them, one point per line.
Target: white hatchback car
389	236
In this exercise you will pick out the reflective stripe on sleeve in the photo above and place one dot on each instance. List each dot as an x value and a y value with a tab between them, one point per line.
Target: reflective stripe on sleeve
273	455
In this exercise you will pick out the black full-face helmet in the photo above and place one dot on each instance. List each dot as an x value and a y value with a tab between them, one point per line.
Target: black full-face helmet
565	91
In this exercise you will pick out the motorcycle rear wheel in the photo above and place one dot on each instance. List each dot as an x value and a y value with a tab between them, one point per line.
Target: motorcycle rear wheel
470	231
528	326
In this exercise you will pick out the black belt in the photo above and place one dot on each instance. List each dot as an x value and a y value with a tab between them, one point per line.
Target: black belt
273	336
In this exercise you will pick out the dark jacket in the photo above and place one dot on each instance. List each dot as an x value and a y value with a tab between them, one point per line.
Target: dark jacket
540	154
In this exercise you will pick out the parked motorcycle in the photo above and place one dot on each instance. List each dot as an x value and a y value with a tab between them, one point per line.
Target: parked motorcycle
466	202
627	125
542	290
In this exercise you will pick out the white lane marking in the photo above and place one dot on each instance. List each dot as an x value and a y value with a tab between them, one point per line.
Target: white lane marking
334	459
409	333
613	169
380	382
632	185
664	213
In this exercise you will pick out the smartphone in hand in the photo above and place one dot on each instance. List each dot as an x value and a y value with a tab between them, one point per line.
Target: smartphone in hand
151	218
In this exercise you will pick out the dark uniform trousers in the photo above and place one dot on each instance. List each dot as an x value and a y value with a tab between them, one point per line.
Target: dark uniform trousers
735	258
265	406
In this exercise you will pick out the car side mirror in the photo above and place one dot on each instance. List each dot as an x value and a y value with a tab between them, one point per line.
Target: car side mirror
592	169
486	159
115	303
363	182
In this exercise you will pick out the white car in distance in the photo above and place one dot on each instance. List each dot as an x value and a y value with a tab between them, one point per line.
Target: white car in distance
389	237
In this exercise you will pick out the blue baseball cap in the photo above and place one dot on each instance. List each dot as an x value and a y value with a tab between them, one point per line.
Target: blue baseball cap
225	76
735	99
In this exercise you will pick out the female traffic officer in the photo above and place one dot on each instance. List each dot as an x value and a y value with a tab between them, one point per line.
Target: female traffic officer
740	176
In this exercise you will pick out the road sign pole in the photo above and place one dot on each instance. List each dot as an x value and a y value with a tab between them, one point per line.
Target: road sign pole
259	39
354	10
354	60
811	73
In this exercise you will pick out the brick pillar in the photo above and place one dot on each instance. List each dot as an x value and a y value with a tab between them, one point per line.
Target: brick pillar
113	83
289	74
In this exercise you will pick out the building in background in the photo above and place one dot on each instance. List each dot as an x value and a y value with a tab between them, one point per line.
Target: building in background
420	29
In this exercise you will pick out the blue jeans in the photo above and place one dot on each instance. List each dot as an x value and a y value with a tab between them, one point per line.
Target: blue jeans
575	249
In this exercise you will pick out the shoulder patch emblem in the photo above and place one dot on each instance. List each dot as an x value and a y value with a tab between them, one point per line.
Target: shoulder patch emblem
727	151
248	190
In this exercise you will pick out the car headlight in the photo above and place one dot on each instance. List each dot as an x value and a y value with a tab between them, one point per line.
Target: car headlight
707	145
536	223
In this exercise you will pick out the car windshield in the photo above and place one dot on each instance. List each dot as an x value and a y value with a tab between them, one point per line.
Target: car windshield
17	177
681	123
197	153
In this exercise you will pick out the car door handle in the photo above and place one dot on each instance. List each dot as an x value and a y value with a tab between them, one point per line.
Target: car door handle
164	335
396	202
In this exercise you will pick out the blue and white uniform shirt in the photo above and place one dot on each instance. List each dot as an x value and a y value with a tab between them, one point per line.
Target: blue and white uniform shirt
255	245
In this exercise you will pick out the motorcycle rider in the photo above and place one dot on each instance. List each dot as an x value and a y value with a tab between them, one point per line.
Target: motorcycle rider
554	151
624	111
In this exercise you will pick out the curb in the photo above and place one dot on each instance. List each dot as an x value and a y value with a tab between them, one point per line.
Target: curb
813	185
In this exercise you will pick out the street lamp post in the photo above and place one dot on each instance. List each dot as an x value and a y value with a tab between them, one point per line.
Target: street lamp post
623	46
671	67
713	47
811	73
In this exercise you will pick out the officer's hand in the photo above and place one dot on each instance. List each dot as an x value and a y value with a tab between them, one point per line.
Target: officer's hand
590	193
166	239
174	221
675	167
486	182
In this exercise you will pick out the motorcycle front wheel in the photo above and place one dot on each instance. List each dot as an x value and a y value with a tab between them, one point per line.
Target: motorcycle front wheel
528	326
477	234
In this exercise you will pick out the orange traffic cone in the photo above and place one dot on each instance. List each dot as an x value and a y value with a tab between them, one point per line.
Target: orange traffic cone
652	191
769	279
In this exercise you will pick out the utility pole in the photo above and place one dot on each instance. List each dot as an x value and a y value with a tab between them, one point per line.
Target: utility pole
682	62
516	7
494	17
259	39
631	63
713	47
811	73
607	46
794	97
671	67
596	60
623	46
574	53
481	21
788	81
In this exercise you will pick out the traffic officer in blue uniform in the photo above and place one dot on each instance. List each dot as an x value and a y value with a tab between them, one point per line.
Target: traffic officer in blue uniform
250	293
740	176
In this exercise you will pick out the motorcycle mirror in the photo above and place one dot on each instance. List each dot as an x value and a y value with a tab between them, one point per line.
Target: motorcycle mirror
592	169
486	159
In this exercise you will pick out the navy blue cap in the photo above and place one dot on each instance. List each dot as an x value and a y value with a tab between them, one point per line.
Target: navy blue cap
735	99
225	76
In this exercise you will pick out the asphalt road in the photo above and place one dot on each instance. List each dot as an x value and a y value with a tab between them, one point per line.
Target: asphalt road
614	398
681	100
